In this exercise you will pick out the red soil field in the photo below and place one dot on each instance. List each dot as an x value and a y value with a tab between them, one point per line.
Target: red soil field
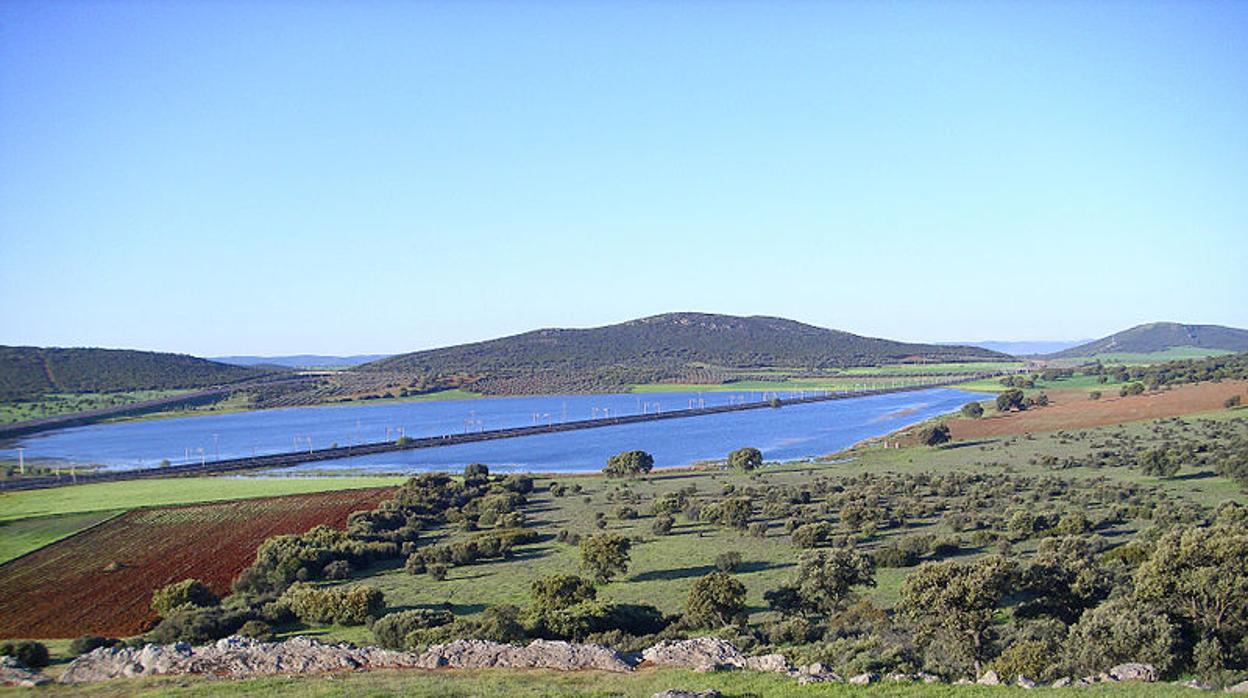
100	581
1072	409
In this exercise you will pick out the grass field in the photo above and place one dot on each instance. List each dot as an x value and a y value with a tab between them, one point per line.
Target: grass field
113	496
664	568
459	683
1136	358
68	403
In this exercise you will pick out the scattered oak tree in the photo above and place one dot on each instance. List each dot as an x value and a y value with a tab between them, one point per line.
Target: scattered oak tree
629	464
715	600
604	556
745	459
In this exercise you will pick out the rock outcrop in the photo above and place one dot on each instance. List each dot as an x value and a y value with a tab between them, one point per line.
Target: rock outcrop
711	654
239	657
1134	671
14	673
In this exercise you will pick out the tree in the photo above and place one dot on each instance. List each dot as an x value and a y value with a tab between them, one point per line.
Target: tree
188	593
1064	579
825	578
476	471
1011	400
605	555
1200	576
1122	630
956	603
715	600
745	459
733	513
934	435
973	410
728	561
629	464
1159	462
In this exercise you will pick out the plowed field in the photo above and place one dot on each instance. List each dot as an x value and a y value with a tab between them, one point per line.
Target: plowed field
100	581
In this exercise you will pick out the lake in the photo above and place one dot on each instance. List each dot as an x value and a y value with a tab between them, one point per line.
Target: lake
788	433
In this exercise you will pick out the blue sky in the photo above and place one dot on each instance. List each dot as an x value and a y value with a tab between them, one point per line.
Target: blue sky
349	177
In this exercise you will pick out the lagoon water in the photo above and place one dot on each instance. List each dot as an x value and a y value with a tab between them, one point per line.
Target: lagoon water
788	433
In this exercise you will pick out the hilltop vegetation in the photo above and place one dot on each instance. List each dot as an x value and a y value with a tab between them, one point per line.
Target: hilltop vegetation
30	372
1160	337
686	347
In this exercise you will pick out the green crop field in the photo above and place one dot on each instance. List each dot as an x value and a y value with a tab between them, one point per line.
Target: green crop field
1141	359
24	535
113	496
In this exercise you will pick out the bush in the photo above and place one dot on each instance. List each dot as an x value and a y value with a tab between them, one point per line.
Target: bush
199	625
812	535
338	569
728	562
662	525
561	591
629	464
1094	395
87	643
934	435
1233	401
391	630
715	600
344	606
33	654
605	555
1122	630
745	459
973	410
188	593
257	630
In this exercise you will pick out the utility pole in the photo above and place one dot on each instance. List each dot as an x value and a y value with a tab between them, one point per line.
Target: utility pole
21	460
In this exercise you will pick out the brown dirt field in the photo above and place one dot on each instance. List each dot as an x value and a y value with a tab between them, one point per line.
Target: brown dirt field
66	589
1073	410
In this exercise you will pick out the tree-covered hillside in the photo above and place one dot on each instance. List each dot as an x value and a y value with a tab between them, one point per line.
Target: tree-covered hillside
662	347
1160	336
28	372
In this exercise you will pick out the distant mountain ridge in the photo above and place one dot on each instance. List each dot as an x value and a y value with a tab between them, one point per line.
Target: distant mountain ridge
28	372
1160	336
1023	348
657	348
300	360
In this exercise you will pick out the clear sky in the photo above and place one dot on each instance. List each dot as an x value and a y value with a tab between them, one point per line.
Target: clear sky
358	177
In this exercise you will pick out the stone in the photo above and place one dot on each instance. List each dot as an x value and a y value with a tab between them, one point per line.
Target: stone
14	673
1024	682
1063	682
769	662
1196	684
699	654
678	693
1134	671
864	679
990	678
1241	687
927	678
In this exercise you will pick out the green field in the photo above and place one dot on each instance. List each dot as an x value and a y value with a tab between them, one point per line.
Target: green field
790	385
535	683
113	496
1079	382
1140	359
68	403
24	535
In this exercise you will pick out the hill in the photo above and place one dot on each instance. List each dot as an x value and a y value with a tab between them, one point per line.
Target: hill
694	347
300	360
1162	336
28	372
1023	348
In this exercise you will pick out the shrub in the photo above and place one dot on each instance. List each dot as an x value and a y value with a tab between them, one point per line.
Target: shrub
437	571
561	591
87	643
715	600
344	606
745	459
605	555
33	654
1094	395
973	410
626	513
629	464
199	625
1122	630
188	593
257	630
812	535
1233	401
728	562
391	630
662	525
934	435
338	569
758	529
